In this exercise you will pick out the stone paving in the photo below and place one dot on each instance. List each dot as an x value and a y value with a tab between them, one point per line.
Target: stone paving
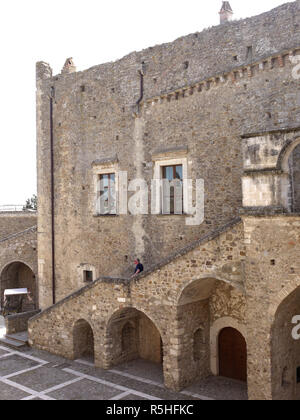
2	326
36	375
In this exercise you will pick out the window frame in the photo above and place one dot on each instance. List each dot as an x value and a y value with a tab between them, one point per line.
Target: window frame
85	276
158	175
172	196
109	178
98	171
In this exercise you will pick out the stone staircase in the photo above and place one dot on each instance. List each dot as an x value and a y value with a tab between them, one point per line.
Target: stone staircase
15	341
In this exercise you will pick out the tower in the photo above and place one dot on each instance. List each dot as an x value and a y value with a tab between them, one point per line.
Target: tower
226	12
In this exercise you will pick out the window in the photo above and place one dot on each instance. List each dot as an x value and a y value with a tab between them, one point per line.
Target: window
105	180
170	170
172	189
128	338
107	194
298	375
87	273
87	276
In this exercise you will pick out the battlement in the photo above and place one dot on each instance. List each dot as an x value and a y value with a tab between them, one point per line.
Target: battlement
197	56
278	60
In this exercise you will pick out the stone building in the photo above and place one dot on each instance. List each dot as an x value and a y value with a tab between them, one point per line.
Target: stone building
18	254
216	297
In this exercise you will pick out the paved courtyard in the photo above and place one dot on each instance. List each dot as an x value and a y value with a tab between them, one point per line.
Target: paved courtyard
2	326
36	375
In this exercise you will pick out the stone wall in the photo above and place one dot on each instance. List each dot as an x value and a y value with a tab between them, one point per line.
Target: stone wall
18	264
295	179
159	304
272	273
18	322
286	350
199	93
15	222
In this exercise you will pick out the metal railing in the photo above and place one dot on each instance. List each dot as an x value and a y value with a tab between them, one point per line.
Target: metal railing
11	208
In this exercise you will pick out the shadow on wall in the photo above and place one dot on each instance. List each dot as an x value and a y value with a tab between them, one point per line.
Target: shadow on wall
83	337
132	335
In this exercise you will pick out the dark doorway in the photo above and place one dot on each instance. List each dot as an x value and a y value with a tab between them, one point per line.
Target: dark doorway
83	341
232	355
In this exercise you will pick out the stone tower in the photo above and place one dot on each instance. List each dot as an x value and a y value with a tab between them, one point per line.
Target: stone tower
69	66
226	12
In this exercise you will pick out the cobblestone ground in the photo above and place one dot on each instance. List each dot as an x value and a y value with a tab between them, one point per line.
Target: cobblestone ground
37	375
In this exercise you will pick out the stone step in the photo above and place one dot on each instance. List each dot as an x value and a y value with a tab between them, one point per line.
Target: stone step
14	344
21	337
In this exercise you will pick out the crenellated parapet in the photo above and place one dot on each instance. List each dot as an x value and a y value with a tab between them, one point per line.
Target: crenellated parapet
237	74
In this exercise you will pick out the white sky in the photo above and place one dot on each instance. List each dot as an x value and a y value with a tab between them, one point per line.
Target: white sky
92	32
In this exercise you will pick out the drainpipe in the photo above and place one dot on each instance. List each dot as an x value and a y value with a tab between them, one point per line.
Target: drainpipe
52	92
141	73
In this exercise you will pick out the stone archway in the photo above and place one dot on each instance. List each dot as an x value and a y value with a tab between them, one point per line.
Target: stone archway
132	335
199	303
217	327
83	341
285	349
17	275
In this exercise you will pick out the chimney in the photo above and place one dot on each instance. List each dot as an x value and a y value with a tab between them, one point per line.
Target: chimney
226	12
69	66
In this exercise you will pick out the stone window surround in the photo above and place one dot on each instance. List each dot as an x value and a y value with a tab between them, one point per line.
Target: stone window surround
85	267
216	328
159	163
110	166
103	168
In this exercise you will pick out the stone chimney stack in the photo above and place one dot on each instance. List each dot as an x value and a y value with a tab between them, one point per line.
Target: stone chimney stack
69	66
226	12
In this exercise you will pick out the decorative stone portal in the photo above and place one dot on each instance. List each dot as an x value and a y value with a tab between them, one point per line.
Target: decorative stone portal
19	275
232	355
132	335
83	339
286	350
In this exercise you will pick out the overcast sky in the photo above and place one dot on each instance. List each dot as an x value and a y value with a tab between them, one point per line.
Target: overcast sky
92	32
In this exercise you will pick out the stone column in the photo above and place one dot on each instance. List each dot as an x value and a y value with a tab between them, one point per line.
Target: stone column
259	351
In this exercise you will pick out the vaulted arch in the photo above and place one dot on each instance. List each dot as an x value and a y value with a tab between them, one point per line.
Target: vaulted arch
18	274
83	340
133	335
285	346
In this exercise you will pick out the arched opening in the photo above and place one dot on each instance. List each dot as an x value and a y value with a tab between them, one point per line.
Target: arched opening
232	354
135	343
18	275
202	304
294	171
285	349
83	339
